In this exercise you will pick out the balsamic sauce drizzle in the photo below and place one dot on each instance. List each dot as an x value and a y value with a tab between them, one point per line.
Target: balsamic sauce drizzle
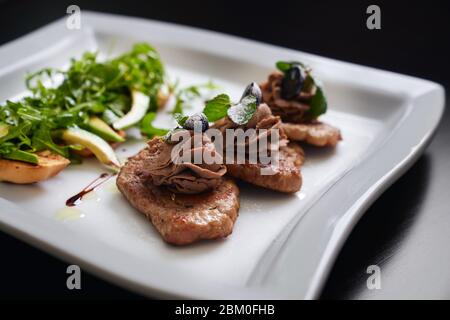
72	201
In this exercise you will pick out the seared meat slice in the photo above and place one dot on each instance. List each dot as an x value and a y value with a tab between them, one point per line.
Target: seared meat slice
287	177
179	218
316	133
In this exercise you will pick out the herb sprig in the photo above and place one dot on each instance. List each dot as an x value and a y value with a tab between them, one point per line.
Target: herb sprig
318	102
88	88
221	106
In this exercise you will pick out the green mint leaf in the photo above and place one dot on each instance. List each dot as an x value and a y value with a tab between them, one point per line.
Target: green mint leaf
284	66
242	112
318	105
309	83
217	107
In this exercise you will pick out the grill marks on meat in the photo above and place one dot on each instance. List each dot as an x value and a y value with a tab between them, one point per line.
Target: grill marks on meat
179	218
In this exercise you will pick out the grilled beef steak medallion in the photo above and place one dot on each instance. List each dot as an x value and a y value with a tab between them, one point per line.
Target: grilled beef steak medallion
179	215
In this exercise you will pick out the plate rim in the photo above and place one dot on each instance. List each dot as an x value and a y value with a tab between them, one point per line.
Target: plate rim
26	230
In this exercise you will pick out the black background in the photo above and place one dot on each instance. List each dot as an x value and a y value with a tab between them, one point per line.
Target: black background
406	231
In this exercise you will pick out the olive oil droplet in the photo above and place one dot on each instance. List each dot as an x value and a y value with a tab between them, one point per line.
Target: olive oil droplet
68	213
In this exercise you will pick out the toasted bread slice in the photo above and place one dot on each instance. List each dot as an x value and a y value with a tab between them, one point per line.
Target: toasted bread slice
316	133
50	164
286	178
180	219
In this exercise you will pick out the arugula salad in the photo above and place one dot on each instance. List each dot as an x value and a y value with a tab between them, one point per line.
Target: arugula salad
94	98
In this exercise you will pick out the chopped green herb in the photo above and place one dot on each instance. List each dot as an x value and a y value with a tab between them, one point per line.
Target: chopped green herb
284	66
318	102
318	105
243	111
308	85
217	107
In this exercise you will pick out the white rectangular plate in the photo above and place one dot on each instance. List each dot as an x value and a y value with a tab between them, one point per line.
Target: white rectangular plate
283	245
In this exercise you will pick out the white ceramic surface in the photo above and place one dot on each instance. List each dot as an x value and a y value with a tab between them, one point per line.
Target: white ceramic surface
283	246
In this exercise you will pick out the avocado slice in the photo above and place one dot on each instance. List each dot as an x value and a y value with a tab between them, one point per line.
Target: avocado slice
24	156
99	147
139	106
4	129
103	130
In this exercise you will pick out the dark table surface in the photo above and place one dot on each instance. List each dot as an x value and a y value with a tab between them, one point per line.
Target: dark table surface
406	231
